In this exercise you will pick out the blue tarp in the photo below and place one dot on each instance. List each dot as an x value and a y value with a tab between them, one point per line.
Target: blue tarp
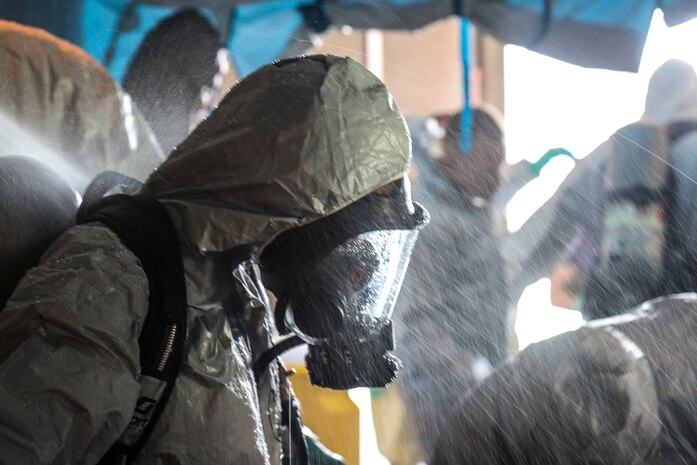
607	34
259	33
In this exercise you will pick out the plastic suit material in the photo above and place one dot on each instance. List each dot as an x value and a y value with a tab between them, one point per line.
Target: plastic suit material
66	100
617	391
293	142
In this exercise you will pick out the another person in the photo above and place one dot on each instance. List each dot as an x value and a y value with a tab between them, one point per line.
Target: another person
59	105
307	152
666	137
453	317
619	390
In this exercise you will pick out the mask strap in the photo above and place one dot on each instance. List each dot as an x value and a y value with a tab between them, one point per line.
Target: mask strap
270	355
280	313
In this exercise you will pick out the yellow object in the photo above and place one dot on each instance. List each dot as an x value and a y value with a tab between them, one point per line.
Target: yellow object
395	439
330	414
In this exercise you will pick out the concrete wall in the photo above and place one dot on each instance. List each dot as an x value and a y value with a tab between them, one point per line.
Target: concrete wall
423	68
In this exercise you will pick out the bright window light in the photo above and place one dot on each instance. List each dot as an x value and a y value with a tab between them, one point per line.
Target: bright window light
538	320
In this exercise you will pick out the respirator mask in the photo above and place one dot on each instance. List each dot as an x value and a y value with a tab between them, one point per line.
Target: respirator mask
337	281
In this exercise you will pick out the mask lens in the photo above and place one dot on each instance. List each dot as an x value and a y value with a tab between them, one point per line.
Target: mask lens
366	273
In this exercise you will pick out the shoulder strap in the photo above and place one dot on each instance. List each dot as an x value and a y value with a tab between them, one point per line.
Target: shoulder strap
680	129
680	264
144	227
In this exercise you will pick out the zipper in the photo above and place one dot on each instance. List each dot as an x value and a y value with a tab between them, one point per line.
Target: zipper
168	348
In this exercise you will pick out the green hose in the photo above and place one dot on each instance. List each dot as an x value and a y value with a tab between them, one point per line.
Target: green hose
537	166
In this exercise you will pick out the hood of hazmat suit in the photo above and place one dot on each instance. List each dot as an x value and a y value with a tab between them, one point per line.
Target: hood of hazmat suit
318	134
672	94
61	106
293	142
618	391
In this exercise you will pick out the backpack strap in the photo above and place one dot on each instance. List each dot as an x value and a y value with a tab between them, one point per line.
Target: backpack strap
680	269
145	228
105	184
680	129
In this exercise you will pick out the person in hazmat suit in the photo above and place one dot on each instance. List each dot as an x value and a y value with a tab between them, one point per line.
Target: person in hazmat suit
57	104
582	224
617	391
301	170
452	315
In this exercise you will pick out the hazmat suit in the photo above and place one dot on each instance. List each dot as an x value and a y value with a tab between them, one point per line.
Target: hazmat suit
292	143
617	391
574	215
59	105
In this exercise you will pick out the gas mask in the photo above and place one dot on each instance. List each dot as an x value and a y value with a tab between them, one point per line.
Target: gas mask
337	280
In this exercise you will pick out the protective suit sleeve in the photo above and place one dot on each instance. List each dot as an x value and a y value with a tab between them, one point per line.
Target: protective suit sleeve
69	357
533	251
